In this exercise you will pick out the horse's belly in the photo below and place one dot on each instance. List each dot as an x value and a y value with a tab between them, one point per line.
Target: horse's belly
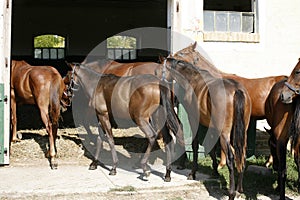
24	97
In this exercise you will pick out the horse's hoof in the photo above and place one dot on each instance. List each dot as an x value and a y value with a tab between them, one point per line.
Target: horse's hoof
167	179
93	165
113	172
54	166
232	196
147	173
237	194
15	140
240	191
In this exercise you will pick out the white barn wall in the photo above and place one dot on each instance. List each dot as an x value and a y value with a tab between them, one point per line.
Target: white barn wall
276	53
5	43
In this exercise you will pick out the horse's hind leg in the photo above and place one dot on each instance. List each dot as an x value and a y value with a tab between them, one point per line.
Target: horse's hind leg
169	147
213	156
151	135
195	147
222	160
52	149
104	120
230	165
14	117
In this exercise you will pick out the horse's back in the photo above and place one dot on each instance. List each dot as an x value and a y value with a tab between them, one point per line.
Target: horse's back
122	69
31	82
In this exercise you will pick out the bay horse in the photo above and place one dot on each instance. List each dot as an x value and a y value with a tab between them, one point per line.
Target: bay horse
133	98
44	87
107	66
258	88
224	106
283	109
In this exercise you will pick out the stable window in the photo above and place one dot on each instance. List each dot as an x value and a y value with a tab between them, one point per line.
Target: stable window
49	47
121	48
236	17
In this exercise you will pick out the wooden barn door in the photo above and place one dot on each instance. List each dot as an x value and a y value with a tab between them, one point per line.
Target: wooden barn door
5	45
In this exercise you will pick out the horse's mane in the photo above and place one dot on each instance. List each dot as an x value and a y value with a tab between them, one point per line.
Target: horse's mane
294	130
190	66
201	55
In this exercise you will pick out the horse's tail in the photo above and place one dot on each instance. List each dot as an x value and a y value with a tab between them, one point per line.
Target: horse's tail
239	130
172	120
54	102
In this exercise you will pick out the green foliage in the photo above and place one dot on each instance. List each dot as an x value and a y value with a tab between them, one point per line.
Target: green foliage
121	42
254	184
44	41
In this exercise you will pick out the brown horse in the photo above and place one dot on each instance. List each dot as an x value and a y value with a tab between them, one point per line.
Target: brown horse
258	88
107	66
133	98
43	86
224	106
282	110
122	69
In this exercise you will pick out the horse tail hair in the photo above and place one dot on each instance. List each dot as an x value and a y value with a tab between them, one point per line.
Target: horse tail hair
172	120
239	131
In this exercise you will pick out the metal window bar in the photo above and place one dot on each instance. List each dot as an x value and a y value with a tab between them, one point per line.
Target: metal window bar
229	21
49	53
121	53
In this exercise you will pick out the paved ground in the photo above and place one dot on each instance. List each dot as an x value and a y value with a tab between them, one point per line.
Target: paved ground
73	179
29	176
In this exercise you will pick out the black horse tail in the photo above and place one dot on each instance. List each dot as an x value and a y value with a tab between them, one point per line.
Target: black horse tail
172	120
239	131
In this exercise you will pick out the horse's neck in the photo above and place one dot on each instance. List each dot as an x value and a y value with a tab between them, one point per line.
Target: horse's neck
88	80
189	79
197	77
206	65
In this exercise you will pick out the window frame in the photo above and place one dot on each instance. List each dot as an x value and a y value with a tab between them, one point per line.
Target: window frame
50	56
228	35
120	53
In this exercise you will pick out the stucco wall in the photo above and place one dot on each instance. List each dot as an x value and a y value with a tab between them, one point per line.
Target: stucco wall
277	51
